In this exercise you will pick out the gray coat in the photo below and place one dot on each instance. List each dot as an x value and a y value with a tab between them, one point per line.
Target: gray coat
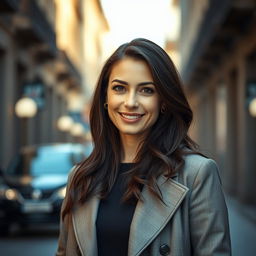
193	220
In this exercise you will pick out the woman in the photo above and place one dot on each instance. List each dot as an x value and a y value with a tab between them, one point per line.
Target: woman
144	190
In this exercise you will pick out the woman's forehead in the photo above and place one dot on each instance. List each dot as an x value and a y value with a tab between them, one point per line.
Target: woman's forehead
130	68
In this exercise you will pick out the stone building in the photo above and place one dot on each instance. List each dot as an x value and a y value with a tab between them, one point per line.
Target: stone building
38	60
218	60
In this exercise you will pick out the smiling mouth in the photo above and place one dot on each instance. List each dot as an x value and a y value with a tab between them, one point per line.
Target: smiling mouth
131	116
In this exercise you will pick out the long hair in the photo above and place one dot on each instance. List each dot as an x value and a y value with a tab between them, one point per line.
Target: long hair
161	152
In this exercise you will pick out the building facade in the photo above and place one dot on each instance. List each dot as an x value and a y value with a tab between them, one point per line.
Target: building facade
218	62
95	28
35	64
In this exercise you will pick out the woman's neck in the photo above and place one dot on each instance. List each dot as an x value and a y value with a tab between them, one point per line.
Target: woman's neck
130	144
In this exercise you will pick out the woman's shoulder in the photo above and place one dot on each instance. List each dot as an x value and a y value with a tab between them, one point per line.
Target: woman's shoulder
194	160
198	167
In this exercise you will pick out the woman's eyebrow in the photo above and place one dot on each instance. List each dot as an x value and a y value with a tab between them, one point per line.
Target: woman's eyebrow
146	83
119	81
139	84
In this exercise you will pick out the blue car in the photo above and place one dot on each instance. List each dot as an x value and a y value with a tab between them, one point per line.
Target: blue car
34	185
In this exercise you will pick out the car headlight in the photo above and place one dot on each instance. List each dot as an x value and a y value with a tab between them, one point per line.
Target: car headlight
8	193
61	193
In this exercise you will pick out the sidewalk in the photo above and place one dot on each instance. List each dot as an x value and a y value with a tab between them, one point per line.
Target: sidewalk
242	228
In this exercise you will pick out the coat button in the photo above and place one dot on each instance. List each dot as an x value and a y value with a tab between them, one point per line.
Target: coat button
164	249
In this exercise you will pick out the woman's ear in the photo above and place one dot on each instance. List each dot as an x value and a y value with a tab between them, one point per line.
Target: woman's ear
163	108
106	101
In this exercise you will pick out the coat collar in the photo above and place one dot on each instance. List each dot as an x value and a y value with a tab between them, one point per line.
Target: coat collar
150	217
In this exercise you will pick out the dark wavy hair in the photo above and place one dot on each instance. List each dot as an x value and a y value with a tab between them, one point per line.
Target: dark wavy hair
162	151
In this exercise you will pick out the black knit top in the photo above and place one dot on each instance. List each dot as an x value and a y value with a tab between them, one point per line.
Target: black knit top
114	219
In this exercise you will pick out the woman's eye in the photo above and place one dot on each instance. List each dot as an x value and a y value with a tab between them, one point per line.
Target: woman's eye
147	90
118	88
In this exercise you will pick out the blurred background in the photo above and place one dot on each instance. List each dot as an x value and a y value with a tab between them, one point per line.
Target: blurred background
51	52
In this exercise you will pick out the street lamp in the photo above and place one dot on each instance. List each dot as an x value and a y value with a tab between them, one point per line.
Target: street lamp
252	107
77	130
88	136
25	108
64	123
251	94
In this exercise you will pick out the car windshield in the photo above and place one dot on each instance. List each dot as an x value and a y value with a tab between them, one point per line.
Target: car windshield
47	160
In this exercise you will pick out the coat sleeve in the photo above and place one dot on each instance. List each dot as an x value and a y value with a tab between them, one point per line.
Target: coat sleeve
208	215
62	241
66	234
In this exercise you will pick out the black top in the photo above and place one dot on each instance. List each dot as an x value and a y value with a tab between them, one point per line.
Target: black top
114	219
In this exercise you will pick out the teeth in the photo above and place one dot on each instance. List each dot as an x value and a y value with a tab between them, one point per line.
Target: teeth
131	117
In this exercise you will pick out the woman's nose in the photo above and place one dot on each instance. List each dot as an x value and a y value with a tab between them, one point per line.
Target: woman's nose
131	100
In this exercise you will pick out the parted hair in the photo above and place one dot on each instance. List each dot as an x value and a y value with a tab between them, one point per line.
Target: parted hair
160	153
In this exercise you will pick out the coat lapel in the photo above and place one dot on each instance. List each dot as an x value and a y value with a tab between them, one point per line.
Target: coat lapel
151	216
149	219
84	218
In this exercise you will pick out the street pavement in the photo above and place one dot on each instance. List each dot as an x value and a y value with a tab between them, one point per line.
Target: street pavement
242	228
40	241
43	241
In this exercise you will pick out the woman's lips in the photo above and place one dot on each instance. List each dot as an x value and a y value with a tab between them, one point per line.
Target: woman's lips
131	117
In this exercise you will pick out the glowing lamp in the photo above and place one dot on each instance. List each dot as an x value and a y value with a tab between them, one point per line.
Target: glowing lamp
64	123
77	129
252	107
25	108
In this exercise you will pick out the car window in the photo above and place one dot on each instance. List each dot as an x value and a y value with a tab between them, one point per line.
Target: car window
52	163
46	160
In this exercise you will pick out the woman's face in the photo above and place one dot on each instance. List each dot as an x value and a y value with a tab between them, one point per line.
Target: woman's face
133	102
